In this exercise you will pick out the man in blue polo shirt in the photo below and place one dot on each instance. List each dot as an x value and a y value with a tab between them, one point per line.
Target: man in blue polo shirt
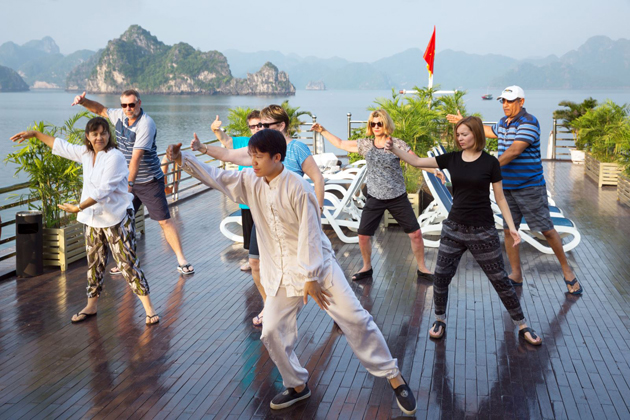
518	135
135	137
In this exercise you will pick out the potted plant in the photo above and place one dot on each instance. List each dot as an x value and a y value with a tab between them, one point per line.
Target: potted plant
572	112
600	133
623	187
55	180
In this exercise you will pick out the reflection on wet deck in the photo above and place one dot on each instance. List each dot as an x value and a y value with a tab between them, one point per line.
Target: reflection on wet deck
204	359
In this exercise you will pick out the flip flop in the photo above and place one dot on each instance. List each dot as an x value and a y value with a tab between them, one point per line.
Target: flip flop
257	320
532	333
571	283
186	269
115	271
362	274
150	320
516	283
436	325
85	316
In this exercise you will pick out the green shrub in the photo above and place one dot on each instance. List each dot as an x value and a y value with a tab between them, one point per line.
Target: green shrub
53	179
604	131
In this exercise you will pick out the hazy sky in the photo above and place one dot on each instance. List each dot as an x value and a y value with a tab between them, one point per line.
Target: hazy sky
363	30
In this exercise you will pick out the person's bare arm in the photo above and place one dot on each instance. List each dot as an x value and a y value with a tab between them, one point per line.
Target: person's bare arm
223	137
512	152
134	164
505	211
454	119
410	157
347	145
24	135
310	168
237	156
91	106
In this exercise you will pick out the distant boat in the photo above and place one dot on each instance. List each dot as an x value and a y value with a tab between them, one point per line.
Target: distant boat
487	97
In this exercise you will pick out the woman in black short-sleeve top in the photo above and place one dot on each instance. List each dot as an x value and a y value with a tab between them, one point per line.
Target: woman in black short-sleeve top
470	223
385	187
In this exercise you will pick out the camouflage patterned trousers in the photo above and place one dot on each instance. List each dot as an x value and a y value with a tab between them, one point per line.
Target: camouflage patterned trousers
121	240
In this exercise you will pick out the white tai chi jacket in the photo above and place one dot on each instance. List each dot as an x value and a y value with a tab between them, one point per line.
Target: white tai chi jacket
293	247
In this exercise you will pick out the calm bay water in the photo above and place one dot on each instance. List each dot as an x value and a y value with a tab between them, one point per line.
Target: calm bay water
177	117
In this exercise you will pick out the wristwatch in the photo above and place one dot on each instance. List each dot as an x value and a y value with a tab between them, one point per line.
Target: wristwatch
79	206
131	183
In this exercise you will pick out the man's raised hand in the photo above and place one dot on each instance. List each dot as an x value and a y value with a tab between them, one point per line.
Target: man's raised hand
454	119
78	100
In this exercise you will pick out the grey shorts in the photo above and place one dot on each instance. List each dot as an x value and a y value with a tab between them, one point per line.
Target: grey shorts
529	203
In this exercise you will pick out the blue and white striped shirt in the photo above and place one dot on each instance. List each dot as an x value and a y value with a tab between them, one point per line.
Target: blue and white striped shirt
140	135
526	169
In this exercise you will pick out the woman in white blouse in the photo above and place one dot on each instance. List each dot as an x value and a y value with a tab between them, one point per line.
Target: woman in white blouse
105	209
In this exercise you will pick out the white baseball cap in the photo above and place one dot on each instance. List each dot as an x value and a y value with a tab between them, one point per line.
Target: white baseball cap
512	92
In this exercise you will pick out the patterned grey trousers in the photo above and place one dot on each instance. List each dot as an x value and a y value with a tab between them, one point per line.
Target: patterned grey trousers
485	246
121	240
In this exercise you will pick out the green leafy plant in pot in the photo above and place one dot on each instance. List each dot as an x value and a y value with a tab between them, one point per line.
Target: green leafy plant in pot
53	179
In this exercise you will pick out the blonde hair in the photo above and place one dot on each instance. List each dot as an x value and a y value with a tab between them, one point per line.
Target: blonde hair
388	123
278	114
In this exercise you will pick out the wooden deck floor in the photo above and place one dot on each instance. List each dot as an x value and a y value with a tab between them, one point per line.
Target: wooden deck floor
205	360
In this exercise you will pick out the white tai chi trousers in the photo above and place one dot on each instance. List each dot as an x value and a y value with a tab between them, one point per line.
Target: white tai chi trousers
280	334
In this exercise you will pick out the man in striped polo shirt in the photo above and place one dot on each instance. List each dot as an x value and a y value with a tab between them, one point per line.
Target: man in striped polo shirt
518	134
136	139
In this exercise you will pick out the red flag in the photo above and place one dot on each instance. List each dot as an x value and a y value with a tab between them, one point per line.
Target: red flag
429	53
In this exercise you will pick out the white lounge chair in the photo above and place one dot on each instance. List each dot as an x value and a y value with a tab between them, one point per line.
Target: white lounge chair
343	212
232	218
431	220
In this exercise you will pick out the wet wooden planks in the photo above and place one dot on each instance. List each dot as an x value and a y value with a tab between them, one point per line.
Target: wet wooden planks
205	360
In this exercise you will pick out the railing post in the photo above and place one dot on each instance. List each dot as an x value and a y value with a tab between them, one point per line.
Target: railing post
554	137
349	125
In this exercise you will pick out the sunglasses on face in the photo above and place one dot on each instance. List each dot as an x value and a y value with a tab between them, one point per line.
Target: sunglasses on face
254	126
376	124
131	105
508	101
267	125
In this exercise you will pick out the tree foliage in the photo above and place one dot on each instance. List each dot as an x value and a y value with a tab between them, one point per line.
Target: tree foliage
237	120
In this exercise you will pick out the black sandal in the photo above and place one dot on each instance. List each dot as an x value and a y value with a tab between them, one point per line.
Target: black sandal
186	269
436	325
571	283
85	316
150	319
532	333
362	274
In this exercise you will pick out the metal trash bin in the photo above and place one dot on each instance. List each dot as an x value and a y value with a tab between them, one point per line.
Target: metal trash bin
29	248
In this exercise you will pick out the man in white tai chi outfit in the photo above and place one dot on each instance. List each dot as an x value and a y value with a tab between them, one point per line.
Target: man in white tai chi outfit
296	260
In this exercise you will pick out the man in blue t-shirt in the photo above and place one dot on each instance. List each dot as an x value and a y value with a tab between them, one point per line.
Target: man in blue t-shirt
518	135
136	139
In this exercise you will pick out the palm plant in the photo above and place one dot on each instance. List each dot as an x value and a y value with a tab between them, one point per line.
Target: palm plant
237	122
294	114
574	110
53	179
415	122
604	131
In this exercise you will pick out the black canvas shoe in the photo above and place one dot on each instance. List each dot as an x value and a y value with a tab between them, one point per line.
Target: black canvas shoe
289	396
405	399
425	276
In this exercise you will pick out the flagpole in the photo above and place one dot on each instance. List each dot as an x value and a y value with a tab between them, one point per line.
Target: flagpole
430	80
